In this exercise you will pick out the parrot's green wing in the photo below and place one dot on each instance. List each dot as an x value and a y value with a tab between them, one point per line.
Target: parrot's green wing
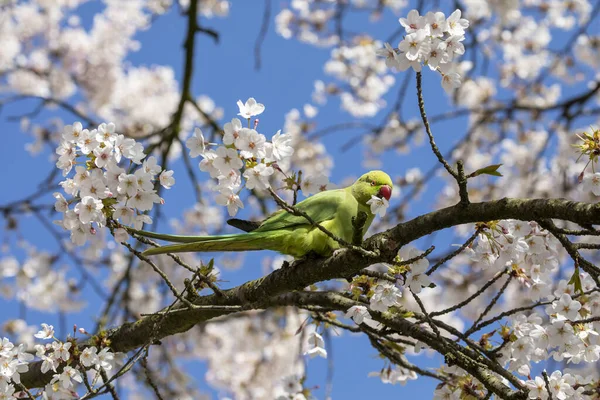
320	207
244	225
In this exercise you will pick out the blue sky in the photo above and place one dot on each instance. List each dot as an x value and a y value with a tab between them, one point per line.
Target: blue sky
225	72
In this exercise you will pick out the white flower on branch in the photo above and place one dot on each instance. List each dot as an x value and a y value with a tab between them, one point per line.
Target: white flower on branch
316	345
385	295
358	314
47	332
196	143
251	108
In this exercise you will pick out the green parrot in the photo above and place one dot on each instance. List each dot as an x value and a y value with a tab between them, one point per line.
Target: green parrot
292	234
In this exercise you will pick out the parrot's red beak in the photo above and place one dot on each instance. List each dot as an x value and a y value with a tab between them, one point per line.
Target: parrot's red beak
385	191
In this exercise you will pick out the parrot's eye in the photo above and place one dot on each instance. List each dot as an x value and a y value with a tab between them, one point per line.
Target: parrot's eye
372	183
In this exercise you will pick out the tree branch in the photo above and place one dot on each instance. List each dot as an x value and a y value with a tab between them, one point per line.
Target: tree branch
261	292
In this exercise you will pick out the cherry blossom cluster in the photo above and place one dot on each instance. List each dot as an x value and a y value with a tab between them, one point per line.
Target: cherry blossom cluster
310	156
51	52
67	361
566	337
253	356
313	21
381	295
38	282
302	19
561	332
364	76
562	386
103	185
14	361
525	46
74	362
384	294
529	252
247	159
433	40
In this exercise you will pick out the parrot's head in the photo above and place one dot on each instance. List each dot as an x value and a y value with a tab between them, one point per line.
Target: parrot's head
373	183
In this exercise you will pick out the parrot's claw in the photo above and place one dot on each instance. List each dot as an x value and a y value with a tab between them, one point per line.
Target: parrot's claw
336	252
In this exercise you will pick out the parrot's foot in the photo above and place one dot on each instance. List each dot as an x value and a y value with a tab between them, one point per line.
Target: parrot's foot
336	252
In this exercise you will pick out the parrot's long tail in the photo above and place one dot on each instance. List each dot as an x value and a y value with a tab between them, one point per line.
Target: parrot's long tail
237	242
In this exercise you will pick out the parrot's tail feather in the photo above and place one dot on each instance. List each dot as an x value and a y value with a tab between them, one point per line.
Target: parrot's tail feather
170	238
241	242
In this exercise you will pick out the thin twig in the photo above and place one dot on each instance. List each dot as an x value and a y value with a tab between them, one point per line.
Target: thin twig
571	249
425	313
110	387
489	306
547	381
24	389
159	272
209	32
525	308
417	258
264	27
400	361
434	147
148	373
472	297
454	253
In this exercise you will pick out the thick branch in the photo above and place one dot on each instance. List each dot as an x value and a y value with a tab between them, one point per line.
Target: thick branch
341	264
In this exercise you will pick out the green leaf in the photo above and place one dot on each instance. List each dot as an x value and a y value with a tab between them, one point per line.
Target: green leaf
489	170
576	281
206	269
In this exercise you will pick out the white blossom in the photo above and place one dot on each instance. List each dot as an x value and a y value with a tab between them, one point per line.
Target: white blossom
228	198
385	295
378	205
196	143
316	346
89	356
251	108
166	179
311	185
258	177
358	314
47	332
